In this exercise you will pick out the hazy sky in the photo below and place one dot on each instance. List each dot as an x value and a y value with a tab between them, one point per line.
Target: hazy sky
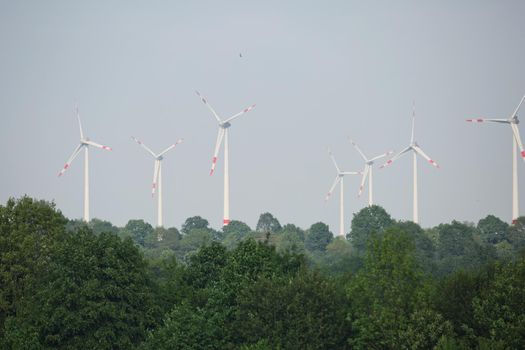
319	72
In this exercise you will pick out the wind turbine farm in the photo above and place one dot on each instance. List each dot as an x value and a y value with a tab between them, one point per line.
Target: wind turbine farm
299	232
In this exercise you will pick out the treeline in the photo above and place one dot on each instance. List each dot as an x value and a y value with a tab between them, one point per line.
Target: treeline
65	284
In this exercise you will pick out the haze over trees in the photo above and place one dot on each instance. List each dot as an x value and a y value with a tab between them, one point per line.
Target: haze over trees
66	284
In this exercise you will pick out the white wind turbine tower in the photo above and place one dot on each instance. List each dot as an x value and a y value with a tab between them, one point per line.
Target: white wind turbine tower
414	147
367	172
339	179
513	121
224	126
157	175
85	142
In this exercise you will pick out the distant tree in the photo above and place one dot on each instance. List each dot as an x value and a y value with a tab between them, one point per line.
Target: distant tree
492	229
340	258
291	239
424	248
500	308
235	232
268	223
99	226
516	234
369	220
137	230
318	237
193	241
458	249
95	295
306	311
388	308
29	231
194	222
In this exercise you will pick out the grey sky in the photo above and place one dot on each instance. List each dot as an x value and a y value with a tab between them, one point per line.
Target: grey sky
319	72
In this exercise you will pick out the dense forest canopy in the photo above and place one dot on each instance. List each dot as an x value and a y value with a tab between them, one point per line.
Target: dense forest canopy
66	284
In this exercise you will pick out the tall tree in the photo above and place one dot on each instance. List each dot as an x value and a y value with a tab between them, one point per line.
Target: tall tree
95	295
369	220
387	310
318	237
29	230
194	222
492	229
268	223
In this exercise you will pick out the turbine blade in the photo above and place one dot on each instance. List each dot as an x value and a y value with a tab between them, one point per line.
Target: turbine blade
155	177
246	110
517	136
397	156
482	120
143	146
94	144
73	156
205	101
336	181
423	154
363	180
382	155
218	143
79	123
359	150
517	108
171	147
413	122
351	173
333	160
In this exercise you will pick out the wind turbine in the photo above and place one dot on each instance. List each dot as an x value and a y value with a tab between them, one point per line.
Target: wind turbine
85	142
339	179
416	150
157	174
224	126
513	121
367	172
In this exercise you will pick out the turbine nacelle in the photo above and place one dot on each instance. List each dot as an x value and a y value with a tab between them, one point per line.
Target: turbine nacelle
225	125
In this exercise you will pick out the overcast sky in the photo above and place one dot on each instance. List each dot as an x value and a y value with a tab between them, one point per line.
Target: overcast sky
319	71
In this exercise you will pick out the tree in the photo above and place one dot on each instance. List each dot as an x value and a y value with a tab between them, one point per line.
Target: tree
137	230
457	248
388	308
95	295
369	220
193	223
499	309
235	232
268	223
318	237
99	226
492	230
29	230
193	241
291	239
306	311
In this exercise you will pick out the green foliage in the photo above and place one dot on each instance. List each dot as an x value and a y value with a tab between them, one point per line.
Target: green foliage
302	312
192	241
68	284
368	221
500	308
318	237
95	294
291	239
492	229
29	230
458	249
137	230
235	232
194	223
387	298
268	223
